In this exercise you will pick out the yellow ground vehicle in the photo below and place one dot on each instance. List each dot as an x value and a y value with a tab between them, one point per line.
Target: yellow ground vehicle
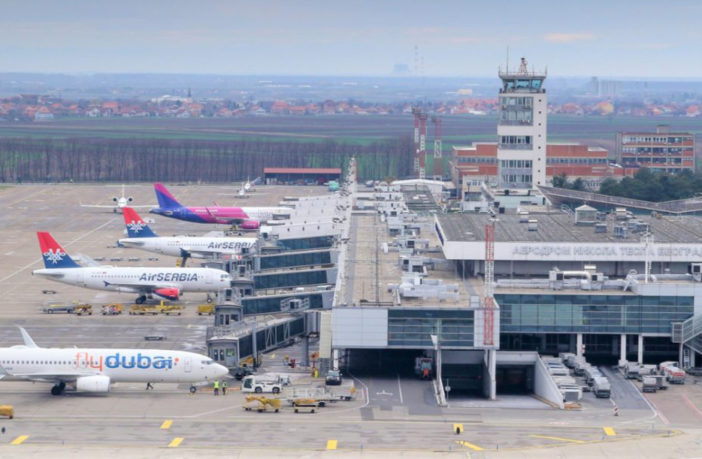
206	308
169	309
261	403
81	309
7	410
309	403
112	309
144	309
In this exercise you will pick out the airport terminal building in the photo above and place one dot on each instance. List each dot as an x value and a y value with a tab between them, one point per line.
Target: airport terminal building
578	282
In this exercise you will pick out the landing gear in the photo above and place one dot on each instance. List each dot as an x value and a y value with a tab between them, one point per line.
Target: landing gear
58	388
140	299
209	299
193	389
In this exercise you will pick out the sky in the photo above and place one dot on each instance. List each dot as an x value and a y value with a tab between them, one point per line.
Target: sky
614	38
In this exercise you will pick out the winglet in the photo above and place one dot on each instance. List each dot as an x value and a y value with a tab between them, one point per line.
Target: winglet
28	341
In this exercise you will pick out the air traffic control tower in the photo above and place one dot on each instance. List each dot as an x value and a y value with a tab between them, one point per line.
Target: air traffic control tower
521	129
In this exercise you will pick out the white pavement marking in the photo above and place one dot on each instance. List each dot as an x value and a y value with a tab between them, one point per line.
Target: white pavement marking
68	244
399	386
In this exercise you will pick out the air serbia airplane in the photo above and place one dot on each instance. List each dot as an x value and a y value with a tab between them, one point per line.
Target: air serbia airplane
142	237
93	370
167	283
248	218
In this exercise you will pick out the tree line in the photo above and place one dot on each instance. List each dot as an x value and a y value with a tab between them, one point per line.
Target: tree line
646	185
148	160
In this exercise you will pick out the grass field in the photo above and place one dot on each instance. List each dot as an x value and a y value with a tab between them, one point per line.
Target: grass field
354	130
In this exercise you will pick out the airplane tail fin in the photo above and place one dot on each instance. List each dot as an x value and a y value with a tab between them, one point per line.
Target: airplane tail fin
165	198
54	255
28	341
136	227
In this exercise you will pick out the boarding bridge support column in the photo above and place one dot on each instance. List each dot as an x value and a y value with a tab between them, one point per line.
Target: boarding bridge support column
579	344
490	382
640	349
622	350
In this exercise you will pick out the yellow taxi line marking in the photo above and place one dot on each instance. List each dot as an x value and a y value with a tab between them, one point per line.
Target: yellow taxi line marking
167	424
176	441
609	431
570	440
332	444
19	440
470	445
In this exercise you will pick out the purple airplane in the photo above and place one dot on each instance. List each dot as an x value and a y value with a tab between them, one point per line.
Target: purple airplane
168	206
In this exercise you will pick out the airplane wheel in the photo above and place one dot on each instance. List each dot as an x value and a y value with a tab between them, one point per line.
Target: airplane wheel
140	300
193	389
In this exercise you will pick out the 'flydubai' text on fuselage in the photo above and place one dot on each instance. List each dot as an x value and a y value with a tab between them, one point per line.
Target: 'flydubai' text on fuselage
85	359
166	277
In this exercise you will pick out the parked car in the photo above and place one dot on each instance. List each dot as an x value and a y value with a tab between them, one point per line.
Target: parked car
333	378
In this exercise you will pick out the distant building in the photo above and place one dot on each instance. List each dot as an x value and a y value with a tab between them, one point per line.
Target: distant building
280	175
479	163
661	150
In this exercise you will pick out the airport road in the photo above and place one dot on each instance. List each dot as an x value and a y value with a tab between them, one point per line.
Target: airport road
132	417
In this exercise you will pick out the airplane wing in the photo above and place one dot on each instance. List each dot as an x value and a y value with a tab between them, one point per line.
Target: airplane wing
44	376
86	260
143	288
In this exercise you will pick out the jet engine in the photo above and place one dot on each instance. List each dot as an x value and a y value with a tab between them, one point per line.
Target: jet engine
170	293
250	225
96	383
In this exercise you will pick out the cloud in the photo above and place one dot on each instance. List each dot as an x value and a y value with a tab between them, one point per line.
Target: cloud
568	37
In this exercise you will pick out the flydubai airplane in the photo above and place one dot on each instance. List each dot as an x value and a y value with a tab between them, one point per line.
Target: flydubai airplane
248	218
166	283
120	202
93	370
142	237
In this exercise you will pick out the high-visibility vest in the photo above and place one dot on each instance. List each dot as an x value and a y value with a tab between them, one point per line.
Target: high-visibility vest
216	384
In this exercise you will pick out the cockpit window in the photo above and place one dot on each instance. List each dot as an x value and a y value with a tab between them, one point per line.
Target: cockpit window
207	362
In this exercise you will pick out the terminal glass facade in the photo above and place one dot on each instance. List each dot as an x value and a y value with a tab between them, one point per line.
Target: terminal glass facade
263	305
307	243
290	279
295	259
528	313
413	328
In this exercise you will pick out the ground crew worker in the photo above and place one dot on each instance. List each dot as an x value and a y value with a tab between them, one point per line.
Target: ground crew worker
216	387
224	388
149	386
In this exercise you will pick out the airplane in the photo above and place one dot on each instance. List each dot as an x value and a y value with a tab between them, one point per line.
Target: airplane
120	203
166	283
248	218
93	370
142	237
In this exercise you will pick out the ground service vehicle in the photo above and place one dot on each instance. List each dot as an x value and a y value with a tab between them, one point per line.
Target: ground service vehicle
169	309
81	309
333	378
112	309
205	309
601	387
7	410
673	374
261	403
648	384
310	403
259	384
54	308
144	310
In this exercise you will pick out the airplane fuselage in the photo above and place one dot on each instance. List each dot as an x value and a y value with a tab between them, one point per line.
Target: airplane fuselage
120	365
222	215
196	247
138	280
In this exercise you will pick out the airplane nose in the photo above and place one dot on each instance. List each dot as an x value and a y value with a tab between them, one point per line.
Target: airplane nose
220	370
